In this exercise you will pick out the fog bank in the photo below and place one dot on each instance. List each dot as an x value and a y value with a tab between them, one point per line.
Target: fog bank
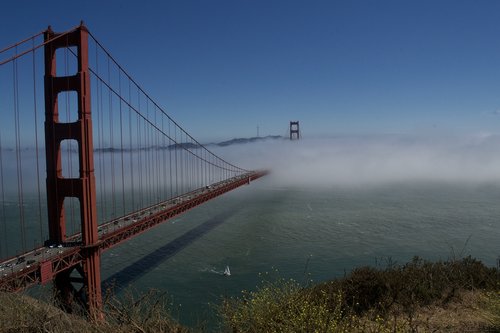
372	160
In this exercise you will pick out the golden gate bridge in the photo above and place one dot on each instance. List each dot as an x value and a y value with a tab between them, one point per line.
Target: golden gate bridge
74	183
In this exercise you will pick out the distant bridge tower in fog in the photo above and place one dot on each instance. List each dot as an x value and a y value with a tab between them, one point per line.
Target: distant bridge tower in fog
294	130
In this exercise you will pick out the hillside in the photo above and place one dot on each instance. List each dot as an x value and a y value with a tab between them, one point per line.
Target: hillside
420	296
247	140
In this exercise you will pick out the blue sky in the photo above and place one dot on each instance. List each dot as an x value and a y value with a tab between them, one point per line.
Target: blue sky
222	68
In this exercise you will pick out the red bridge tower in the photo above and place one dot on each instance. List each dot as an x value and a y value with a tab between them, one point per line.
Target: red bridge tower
59	187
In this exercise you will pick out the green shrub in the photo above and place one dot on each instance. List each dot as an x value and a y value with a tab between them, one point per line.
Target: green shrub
283	306
368	299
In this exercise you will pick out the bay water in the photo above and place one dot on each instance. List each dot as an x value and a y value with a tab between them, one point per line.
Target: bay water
328	207
307	234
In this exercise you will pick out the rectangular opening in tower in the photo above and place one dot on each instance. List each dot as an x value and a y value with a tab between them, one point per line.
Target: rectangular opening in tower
72	216
67	106
66	61
69	159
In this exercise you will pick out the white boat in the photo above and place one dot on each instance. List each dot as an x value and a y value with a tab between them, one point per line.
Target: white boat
227	272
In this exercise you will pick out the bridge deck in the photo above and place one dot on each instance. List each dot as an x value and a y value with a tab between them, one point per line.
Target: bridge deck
40	265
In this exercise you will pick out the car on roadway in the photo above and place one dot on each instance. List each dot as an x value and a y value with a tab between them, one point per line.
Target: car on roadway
20	260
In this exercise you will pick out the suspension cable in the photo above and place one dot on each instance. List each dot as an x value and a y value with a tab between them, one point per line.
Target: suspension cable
121	143
111	143
4	221
177	144
20	195
21	42
18	55
149	98
132	190
36	146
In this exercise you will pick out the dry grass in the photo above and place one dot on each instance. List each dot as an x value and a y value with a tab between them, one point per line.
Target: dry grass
465	312
24	314
148	313
468	312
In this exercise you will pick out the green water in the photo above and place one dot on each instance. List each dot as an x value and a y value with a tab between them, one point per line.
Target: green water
301	234
294	232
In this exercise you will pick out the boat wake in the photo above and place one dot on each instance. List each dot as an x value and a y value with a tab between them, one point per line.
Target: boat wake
225	272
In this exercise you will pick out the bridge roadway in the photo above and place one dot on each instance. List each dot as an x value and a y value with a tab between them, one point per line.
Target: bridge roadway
42	264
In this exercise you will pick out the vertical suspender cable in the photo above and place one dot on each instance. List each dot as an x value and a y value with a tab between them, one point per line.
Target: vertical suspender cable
132	189
200	171
18	154
2	188
100	139
207	181
181	160
149	165
164	164
189	171
139	139
184	172
148	154
111	143
156	179
170	161
36	147
157	145
196	169
176	165
121	142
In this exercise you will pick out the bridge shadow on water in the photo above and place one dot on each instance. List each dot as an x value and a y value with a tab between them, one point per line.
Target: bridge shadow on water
126	276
